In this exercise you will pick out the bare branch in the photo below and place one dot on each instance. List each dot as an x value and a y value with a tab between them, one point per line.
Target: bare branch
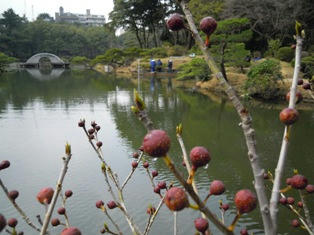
131	173
152	218
16	206
285	141
66	161
246	120
306	212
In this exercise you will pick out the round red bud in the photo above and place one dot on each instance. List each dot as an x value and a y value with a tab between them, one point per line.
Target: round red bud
3	222
290	200
289	116
81	123
306	86
61	211
93	124
199	156
157	190
99	144
244	232
283	200
245	201
97	128
154	173
45	195
145	164
300	82
99	204
300	204
298	182
4	164
208	25
156	143
162	185
111	204
201	224
225	207
134	164
175	22
12	222
71	231
68	193
295	223
309	188
217	187
176	199
91	131
55	222
13	194
135	155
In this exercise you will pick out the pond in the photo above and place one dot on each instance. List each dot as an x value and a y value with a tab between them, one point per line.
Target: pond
38	116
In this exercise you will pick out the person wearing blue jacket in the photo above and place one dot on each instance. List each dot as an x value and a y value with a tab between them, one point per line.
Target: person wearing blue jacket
152	65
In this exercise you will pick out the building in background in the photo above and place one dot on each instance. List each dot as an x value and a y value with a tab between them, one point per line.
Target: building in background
87	19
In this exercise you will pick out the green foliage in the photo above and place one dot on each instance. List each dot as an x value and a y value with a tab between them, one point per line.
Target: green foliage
285	54
4	60
23	39
176	50
236	55
307	66
196	50
263	80
113	56
203	8
197	68
273	47
159	52
79	60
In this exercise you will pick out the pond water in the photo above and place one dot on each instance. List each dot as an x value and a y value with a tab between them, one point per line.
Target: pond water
38	116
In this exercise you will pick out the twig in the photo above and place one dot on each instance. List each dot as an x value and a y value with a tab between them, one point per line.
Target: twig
174	223
112	221
65	214
246	124
16	206
306	211
196	198
39	221
285	141
132	171
152	219
186	161
150	178
66	161
107	171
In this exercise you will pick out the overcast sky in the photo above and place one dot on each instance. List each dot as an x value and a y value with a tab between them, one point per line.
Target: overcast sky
97	7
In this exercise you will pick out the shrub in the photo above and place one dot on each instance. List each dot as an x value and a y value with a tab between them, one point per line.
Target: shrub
131	53
236	55
196	69
79	60
160	52
112	56
263	80
176	50
307	66
285	54
273	47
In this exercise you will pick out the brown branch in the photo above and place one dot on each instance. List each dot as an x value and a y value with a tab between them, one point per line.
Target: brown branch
152	219
306	212
132	171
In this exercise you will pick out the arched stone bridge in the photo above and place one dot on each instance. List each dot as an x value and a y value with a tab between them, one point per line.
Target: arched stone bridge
34	61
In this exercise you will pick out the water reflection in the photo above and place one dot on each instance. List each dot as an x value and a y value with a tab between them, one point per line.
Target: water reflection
45	74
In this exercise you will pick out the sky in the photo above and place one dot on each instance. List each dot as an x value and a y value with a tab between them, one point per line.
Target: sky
97	7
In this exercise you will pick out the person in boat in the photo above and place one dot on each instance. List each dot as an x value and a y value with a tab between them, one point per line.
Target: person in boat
159	65
170	66
152	66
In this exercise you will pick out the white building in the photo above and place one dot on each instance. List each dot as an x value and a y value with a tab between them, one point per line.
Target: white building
87	19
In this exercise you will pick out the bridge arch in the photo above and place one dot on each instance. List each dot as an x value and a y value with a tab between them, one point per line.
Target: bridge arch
34	60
